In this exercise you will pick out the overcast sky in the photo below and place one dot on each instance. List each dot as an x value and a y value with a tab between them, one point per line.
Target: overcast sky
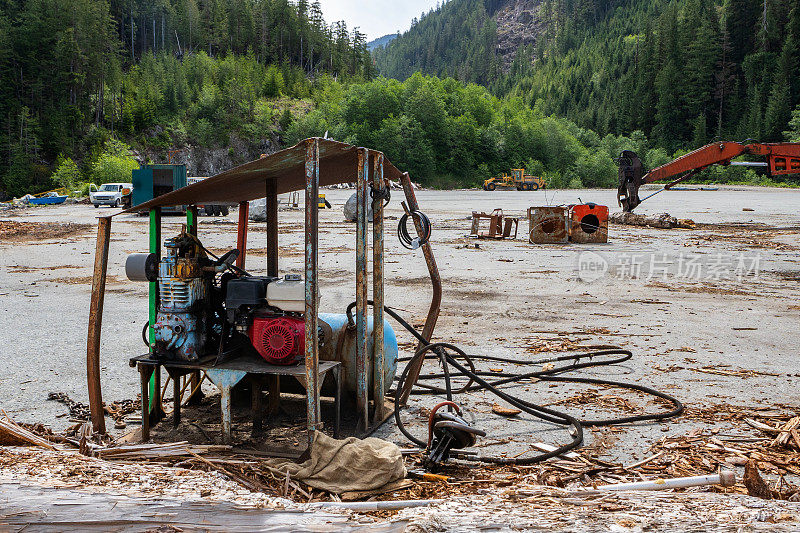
375	18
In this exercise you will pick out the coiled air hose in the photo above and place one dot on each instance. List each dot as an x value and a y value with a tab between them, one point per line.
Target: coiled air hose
476	382
405	237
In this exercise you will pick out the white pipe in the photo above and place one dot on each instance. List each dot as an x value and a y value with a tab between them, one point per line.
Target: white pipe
373	506
726	478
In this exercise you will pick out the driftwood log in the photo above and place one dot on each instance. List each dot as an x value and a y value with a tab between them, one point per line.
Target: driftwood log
661	220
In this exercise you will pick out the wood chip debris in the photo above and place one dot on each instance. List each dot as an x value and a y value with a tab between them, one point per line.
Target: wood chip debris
505	411
740	372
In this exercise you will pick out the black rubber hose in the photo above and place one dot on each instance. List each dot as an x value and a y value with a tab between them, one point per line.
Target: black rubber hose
405	237
144	334
544	413
538	411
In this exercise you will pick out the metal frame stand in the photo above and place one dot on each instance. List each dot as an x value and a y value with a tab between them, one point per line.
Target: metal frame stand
225	377
370	378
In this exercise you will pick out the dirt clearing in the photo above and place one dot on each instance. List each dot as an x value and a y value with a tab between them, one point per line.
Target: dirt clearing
13	231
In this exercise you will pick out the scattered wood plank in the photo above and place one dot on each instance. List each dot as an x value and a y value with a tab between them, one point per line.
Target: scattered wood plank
12	434
544	447
643	461
766	428
157	451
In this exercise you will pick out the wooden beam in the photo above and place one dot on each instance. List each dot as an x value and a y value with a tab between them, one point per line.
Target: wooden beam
96	323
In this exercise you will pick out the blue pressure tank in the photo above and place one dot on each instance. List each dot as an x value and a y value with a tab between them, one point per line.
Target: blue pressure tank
340	345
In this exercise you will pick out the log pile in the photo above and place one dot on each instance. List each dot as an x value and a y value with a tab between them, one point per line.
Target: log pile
660	220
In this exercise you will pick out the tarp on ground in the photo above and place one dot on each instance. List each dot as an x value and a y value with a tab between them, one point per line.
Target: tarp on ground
347	465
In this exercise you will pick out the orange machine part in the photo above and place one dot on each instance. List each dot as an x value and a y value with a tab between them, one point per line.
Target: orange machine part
589	223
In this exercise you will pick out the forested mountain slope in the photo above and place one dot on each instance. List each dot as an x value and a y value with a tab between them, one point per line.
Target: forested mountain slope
76	73
381	41
683	71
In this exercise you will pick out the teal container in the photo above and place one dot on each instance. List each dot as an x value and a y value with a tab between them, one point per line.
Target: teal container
151	181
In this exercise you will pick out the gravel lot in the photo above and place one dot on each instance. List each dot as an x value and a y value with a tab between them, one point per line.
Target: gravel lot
721	297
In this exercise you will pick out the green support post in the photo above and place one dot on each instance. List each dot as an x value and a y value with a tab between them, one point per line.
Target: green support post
155	248
191	220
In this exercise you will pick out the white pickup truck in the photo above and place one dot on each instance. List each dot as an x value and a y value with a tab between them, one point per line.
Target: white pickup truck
112	194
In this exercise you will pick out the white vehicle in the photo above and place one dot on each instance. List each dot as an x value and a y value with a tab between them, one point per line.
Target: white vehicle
113	194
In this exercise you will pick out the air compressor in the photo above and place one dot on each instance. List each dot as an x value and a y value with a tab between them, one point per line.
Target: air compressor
207	307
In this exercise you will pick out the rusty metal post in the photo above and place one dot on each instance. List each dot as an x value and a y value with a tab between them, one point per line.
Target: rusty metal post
377	291
95	324
436	297
241	233
272	226
311	288
362	376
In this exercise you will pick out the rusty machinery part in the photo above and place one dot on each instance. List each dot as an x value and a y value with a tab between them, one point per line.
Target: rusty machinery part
449	355
209	307
446	432
432	417
404	235
380	195
631	171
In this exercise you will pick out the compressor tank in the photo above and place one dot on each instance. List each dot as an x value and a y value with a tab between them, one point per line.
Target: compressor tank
340	345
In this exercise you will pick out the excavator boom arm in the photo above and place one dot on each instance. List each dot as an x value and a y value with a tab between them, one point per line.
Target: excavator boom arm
719	153
782	158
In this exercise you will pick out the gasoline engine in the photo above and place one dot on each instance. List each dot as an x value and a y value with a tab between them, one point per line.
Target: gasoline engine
209	307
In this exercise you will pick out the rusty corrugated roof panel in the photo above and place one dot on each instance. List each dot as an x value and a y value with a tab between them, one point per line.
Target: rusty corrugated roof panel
338	163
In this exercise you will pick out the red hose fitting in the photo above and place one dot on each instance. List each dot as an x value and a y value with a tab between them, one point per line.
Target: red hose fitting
433	414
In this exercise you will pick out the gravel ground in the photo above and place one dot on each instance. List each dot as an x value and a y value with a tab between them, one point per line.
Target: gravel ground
721	298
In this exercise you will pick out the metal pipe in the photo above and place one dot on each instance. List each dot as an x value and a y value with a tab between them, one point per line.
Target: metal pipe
674	182
155	248
241	233
311	288
378	354
362	376
272	226
436	297
726	478
95	324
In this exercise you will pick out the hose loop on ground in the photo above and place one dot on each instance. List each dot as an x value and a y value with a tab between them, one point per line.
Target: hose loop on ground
450	355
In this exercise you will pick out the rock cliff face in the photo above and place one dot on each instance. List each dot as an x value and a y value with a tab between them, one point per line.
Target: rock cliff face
204	161
519	24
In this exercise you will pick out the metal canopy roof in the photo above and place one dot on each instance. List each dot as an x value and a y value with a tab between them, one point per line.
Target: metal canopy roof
338	163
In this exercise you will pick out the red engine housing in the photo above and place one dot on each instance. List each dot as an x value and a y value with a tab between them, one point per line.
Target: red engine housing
279	340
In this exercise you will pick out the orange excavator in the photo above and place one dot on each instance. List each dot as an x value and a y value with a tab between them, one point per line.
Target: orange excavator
781	159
